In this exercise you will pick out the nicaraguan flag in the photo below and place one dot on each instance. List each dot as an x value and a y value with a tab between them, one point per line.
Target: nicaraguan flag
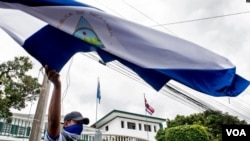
54	30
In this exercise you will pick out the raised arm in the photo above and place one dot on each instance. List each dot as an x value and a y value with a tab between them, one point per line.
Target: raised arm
54	113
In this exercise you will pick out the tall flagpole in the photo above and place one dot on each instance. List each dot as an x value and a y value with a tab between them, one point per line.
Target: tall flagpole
40	111
98	134
146	114
96	109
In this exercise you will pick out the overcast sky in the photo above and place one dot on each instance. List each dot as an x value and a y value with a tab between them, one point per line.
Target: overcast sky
228	36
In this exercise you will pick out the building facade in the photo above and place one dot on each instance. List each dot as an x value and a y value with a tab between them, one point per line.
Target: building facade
20	127
130	124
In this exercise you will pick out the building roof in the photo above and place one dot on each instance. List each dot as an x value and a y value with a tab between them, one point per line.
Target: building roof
117	113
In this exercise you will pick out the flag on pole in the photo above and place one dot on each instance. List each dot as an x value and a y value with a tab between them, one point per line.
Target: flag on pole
58	29
98	94
148	108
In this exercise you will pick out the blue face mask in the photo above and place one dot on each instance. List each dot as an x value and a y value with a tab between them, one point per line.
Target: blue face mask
75	129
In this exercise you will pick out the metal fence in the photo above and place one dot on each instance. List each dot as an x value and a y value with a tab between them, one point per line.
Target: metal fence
22	131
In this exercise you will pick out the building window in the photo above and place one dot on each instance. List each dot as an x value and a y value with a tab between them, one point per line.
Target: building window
155	128
107	128
21	131
147	127
131	125
122	124
6	128
139	126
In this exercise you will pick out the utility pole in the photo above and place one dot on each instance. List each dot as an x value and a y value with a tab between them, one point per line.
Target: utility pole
40	111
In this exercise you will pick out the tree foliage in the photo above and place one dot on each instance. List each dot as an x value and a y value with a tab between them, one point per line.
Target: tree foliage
16	87
187	133
160	135
212	120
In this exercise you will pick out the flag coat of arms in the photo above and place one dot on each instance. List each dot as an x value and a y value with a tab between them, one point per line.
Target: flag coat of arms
54	30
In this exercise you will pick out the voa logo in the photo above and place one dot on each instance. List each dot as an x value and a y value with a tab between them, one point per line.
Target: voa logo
236	132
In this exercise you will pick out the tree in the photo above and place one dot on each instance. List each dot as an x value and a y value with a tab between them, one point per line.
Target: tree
186	133
212	120
215	119
160	135
16	87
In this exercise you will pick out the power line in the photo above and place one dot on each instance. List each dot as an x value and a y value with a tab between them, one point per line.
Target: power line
200	19
147	16
109	8
180	22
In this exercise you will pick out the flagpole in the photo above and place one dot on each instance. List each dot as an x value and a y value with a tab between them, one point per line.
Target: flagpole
35	134
96	110
98	134
146	115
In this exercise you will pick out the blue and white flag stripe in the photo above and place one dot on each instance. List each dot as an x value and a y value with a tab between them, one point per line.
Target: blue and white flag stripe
146	51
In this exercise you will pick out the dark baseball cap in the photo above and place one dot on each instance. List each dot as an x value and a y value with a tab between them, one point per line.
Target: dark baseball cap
77	117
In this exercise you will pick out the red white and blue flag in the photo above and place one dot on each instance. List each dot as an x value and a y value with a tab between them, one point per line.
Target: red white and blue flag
148	108
52	31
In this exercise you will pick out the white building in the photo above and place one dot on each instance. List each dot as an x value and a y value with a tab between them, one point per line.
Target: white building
19	129
130	124
116	125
